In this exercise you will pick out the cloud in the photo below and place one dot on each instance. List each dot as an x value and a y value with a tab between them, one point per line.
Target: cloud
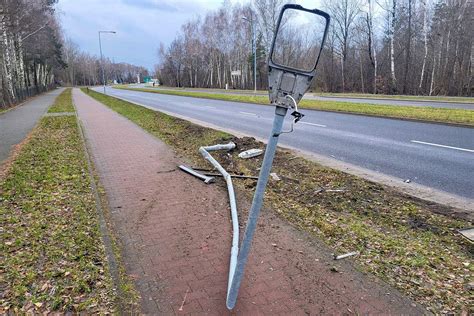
140	25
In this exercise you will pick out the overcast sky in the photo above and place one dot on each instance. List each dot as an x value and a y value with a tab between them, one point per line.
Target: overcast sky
140	24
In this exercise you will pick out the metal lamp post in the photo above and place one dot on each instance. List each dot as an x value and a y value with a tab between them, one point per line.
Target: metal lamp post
102	58
287	85
254	49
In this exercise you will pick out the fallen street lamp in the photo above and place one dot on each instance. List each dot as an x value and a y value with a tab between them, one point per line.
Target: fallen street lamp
102	58
289	77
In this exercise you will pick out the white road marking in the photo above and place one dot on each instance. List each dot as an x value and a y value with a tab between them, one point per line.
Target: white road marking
209	107
314	124
248	113
443	146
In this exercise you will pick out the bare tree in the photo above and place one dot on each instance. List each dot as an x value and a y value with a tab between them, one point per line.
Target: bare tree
344	14
381	46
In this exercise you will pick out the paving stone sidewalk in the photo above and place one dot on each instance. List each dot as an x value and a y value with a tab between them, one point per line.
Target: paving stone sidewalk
176	237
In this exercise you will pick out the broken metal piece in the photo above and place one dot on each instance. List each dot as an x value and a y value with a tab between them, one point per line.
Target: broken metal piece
467	233
234	251
210	172
274	176
193	172
232	175
350	254
254	152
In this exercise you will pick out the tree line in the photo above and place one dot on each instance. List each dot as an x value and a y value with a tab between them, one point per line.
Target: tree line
373	46
84	69
35	56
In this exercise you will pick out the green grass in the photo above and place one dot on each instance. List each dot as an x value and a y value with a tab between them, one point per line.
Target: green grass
148	119
63	102
53	256
401	240
430	114
3	110
468	100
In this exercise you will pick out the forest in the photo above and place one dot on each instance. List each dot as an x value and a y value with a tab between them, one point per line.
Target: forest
413	47
35	56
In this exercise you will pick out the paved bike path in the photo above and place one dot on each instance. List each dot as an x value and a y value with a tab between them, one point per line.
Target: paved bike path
16	123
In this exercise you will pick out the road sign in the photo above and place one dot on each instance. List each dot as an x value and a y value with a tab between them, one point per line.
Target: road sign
236	73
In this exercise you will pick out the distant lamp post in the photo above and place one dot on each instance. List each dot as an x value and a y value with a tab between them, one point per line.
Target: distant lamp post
102	58
254	49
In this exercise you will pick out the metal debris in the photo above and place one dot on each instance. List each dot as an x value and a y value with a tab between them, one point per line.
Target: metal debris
254	152
320	190
234	252
275	176
468	233
349	254
237	176
193	172
184	300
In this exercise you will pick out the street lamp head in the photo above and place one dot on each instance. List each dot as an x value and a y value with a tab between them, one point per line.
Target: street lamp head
113	32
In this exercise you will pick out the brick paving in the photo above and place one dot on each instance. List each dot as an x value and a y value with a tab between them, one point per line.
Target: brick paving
175	233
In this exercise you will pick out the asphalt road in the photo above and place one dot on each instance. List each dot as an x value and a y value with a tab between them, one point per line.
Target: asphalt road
18	122
434	155
309	96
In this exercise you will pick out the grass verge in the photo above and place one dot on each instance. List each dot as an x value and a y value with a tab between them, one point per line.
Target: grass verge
402	240
429	114
63	102
53	258
468	100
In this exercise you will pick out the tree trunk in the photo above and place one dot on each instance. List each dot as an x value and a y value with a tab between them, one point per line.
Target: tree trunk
392	49
408	49
7	66
342	74
425	42
361	74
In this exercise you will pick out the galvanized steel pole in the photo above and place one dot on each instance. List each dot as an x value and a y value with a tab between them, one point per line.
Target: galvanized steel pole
280	113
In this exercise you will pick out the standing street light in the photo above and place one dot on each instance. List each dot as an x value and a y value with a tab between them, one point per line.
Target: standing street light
102	58
254	49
